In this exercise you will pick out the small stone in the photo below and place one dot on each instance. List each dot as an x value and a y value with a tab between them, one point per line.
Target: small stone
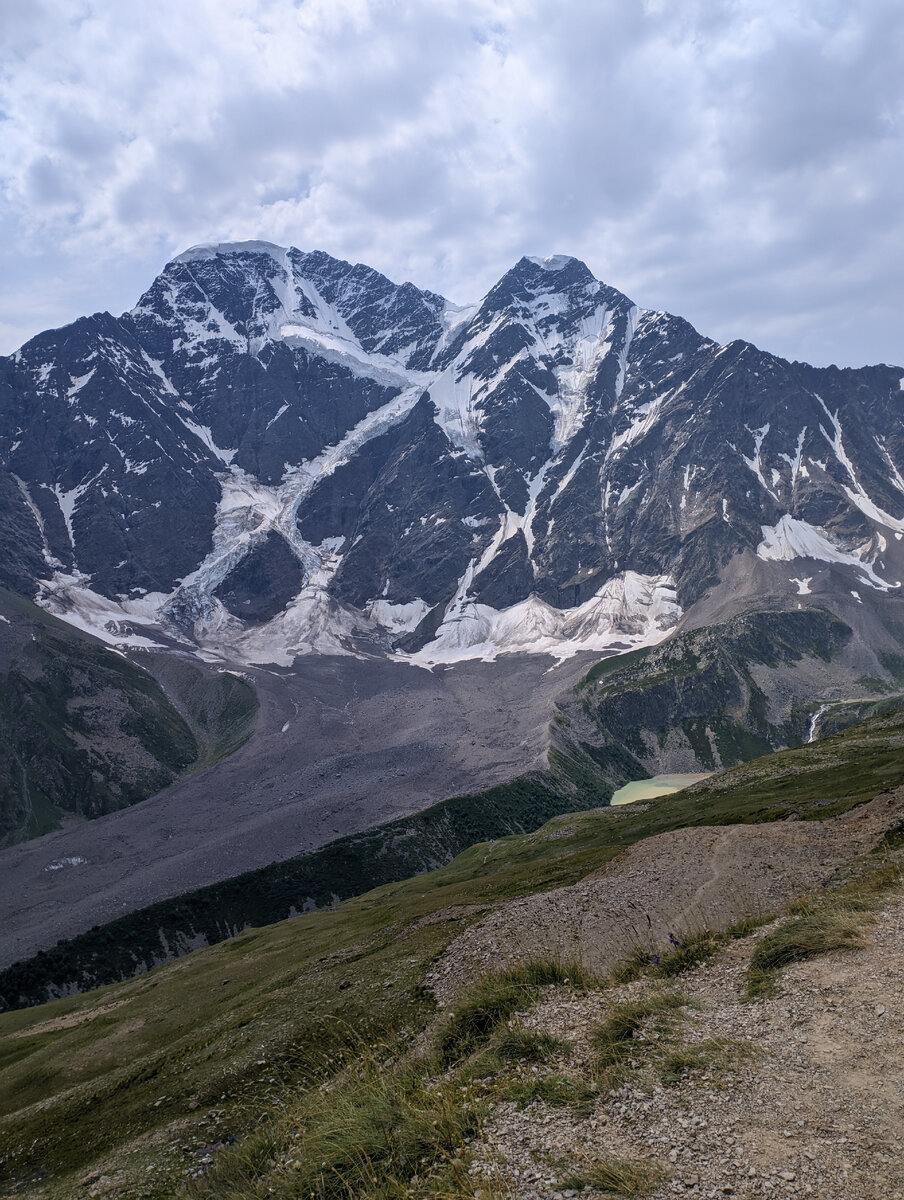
788	1176
880	1010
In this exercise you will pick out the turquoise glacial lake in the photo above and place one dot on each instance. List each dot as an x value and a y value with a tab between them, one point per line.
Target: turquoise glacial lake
659	785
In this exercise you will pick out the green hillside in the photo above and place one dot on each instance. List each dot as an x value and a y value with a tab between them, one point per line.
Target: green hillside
145	1082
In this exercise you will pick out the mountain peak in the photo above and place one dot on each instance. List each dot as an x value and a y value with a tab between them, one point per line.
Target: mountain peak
285	449
207	250
554	262
555	270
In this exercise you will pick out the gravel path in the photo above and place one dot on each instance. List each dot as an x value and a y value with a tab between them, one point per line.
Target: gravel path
682	881
817	1110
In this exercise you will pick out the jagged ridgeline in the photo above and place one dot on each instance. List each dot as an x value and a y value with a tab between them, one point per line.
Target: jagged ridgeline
277	452
700	700
84	731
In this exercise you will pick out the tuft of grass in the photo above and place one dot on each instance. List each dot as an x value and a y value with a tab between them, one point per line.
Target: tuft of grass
838	925
377	1132
683	953
621	1042
747	925
689	953
761	984
638	963
627	1019
474	1020
617	1177
558	1091
713	1054
839	921
641	1036
545	972
528	1046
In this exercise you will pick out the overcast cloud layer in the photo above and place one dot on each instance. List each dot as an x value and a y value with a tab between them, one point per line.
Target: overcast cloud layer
735	161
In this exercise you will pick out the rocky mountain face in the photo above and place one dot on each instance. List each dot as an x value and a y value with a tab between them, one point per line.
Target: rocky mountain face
276	453
83	731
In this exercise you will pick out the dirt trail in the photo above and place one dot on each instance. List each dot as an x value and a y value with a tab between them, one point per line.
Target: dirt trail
681	881
815	1109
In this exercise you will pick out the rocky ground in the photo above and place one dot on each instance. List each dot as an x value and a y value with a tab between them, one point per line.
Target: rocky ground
809	1100
341	745
681	881
797	1094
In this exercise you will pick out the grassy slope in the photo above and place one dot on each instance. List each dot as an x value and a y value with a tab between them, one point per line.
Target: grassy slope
202	1049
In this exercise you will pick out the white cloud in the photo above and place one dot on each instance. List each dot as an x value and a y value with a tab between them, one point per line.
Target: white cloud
736	161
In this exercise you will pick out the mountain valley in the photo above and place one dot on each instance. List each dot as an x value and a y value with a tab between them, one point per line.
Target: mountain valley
245	1069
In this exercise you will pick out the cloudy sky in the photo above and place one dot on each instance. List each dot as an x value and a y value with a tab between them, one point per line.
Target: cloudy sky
735	161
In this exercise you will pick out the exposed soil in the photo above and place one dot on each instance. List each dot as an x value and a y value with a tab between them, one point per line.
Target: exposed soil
813	1104
684	880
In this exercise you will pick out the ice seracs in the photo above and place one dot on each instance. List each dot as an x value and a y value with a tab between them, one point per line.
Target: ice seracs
631	610
292	454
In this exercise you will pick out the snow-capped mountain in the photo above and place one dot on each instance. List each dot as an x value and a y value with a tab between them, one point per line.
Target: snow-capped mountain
276	452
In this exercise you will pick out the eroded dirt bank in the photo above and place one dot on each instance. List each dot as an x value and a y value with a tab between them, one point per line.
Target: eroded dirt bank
681	881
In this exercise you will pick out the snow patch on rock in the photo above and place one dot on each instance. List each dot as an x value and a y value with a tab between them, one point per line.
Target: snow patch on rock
791	539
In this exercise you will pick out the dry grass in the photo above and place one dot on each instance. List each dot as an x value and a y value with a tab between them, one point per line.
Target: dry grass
840	923
617	1177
